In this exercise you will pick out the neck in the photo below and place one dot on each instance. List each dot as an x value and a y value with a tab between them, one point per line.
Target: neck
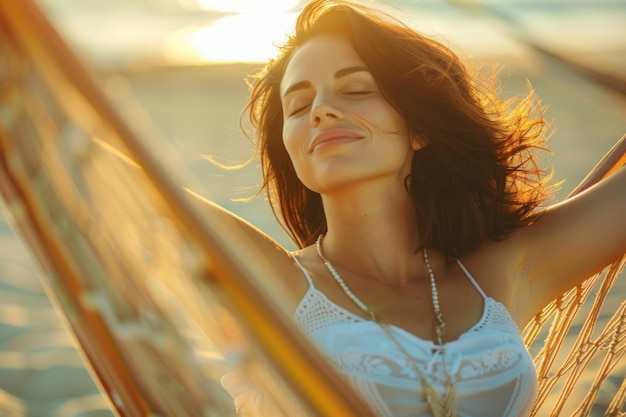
374	236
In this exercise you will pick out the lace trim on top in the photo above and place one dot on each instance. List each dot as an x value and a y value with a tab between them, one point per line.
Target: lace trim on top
315	311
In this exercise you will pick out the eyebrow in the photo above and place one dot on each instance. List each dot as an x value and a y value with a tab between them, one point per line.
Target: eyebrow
339	74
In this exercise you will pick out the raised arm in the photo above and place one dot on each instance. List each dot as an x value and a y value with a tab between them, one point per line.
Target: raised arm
574	239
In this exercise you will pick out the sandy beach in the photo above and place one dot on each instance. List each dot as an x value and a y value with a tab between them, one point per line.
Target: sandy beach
197	108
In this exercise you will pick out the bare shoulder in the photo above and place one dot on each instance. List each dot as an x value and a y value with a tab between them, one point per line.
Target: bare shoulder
493	267
506	271
275	257
497	267
315	269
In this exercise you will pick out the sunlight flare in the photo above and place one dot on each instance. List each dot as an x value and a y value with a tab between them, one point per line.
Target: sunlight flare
246	37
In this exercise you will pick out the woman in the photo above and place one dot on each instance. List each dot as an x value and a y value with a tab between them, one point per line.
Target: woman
414	197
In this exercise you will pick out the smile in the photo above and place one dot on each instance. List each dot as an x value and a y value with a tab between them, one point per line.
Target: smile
333	137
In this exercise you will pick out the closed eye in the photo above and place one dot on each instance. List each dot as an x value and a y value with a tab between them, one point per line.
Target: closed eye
357	93
298	110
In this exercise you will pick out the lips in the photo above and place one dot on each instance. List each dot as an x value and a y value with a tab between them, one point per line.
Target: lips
333	137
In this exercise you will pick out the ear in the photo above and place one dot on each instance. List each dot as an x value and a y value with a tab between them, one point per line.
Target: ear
417	142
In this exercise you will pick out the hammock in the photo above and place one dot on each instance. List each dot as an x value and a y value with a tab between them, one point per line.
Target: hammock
165	292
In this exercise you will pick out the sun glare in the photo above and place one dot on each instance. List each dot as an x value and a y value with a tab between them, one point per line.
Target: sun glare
244	37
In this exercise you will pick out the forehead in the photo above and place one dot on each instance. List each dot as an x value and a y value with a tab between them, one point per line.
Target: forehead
319	58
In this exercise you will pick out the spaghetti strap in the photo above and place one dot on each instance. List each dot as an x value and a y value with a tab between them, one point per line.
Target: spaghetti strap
304	271
471	278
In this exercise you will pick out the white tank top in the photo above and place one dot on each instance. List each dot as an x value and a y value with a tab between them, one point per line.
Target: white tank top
489	363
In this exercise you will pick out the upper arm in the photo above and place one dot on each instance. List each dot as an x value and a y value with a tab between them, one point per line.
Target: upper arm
571	241
288	283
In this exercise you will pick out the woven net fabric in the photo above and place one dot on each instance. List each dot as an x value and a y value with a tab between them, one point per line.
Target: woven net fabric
586	376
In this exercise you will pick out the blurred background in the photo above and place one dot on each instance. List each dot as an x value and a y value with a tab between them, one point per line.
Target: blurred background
184	62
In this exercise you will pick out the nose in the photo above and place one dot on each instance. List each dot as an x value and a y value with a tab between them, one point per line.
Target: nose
324	110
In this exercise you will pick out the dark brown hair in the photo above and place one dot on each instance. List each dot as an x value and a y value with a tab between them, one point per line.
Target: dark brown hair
476	179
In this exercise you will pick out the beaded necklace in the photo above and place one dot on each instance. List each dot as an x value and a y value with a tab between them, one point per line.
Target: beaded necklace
441	406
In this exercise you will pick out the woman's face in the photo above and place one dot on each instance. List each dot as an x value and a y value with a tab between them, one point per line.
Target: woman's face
338	128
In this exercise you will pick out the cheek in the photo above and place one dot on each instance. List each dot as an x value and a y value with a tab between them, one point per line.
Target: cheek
387	122
394	120
294	138
295	142
288	141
